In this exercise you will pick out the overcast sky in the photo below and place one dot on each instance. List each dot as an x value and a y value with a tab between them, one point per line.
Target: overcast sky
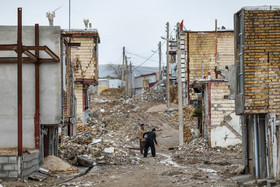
135	24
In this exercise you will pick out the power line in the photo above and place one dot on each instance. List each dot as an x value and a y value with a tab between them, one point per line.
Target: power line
139	56
148	57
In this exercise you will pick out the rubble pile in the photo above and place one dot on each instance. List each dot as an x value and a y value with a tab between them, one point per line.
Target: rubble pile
188	112
96	146
174	94
116	92
155	93
82	128
187	134
226	161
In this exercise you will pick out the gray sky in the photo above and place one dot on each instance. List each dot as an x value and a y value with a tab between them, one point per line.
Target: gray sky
136	24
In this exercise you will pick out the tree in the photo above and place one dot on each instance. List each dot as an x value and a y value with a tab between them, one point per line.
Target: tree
117	70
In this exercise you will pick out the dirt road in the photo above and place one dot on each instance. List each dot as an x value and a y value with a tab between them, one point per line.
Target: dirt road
191	165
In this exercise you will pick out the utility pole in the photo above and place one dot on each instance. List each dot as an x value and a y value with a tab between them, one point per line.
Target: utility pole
123	66
180	97
69	13
167	66
130	77
126	77
159	53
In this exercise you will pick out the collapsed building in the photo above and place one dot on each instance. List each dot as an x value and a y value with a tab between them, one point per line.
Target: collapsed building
256	87
206	57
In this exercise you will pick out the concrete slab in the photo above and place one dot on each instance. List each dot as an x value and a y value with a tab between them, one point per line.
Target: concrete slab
242	178
250	182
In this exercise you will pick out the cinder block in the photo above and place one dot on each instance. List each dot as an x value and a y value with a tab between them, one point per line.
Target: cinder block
12	160
27	157
9	167
4	159
3	174
29	164
13	174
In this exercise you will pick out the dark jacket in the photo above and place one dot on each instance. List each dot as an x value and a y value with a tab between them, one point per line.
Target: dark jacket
151	136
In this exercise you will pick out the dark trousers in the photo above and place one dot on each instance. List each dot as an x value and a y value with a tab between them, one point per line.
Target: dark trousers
149	143
142	146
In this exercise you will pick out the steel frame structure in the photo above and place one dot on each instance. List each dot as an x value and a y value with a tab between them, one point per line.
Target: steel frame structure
31	58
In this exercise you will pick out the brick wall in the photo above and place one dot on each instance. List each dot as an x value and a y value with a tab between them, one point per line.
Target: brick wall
79	96
261	80
225	49
203	47
85	57
69	85
220	107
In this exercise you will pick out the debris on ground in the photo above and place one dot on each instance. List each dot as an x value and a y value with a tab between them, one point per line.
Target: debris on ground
116	92
188	112
158	108
155	93
82	128
55	164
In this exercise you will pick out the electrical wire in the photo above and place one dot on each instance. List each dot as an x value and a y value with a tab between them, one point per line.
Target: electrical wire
154	52
148	57
139	56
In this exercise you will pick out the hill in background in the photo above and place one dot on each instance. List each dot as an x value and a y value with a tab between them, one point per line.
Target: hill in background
108	70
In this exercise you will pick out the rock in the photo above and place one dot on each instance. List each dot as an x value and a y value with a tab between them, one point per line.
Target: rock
197	133
239	170
83	161
102	110
109	150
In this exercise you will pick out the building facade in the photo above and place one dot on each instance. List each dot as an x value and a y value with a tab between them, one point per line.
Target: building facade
256	85
84	64
144	82
208	55
41	99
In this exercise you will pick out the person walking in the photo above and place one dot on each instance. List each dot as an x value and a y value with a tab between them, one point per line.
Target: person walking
141	138
150	140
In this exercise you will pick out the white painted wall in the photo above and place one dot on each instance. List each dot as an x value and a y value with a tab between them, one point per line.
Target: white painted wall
221	136
115	83
50	87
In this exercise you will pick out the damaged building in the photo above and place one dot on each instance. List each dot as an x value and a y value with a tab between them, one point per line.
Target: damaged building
208	55
30	97
83	59
256	85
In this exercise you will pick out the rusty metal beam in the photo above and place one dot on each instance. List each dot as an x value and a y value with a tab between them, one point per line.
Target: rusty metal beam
37	90
30	55
66	35
8	47
51	53
19	80
14	60
43	48
24	60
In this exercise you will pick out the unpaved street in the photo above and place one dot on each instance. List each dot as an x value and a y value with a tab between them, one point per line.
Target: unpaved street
194	164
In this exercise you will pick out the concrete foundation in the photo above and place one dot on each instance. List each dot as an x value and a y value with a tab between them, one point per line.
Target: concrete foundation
11	167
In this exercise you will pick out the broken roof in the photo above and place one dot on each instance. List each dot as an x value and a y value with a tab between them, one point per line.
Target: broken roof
82	33
198	83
